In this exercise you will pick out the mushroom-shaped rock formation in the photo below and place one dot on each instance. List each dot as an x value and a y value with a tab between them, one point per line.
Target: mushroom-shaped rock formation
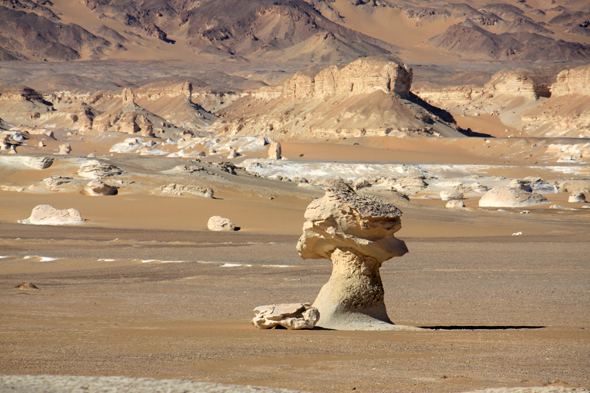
356	233
292	316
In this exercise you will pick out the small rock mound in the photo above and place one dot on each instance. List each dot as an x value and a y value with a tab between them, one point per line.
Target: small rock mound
451	194
37	162
26	286
218	223
292	316
48	215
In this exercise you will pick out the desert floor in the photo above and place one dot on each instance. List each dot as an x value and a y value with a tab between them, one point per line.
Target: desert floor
142	289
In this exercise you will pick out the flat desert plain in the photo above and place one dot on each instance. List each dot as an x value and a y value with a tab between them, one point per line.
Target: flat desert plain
142	289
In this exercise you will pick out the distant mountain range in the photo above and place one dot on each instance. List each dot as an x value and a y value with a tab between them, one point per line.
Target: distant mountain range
295	30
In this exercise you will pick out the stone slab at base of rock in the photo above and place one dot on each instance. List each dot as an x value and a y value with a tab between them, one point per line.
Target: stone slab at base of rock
293	316
218	223
48	215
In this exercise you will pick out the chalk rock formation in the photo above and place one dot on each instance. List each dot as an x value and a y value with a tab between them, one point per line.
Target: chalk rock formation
48	215
577	197
5	141
65	149
179	189
232	153
37	162
293	316
94	169
274	151
516	194
455	204
356	233
59	183
410	185
218	223
97	188
451	194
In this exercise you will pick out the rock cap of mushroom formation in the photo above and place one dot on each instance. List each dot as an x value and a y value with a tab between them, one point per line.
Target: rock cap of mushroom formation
218	223
48	215
293	316
577	197
344	219
516	194
448	195
94	169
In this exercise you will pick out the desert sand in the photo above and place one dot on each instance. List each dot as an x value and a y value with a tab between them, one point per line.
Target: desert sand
134	123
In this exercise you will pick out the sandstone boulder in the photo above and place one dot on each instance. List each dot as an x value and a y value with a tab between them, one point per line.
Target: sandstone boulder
274	151
97	188
293	316
455	204
577	197
218	223
515	194
48	215
356	233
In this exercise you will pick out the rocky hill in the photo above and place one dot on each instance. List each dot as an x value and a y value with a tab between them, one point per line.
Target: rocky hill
368	97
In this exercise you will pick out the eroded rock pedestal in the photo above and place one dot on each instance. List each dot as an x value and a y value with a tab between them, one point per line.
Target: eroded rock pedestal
356	233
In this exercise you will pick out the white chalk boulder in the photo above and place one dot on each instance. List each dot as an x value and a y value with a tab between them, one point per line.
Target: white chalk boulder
97	188
218	223
48	215
516	194
577	197
455	204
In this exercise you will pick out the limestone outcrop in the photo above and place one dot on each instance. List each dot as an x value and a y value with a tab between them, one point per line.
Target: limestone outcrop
293	316
38	162
218	223
367	97
97	188
59	183
572	81
179	189
362	76
356	233
48	215
94	169
516	194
